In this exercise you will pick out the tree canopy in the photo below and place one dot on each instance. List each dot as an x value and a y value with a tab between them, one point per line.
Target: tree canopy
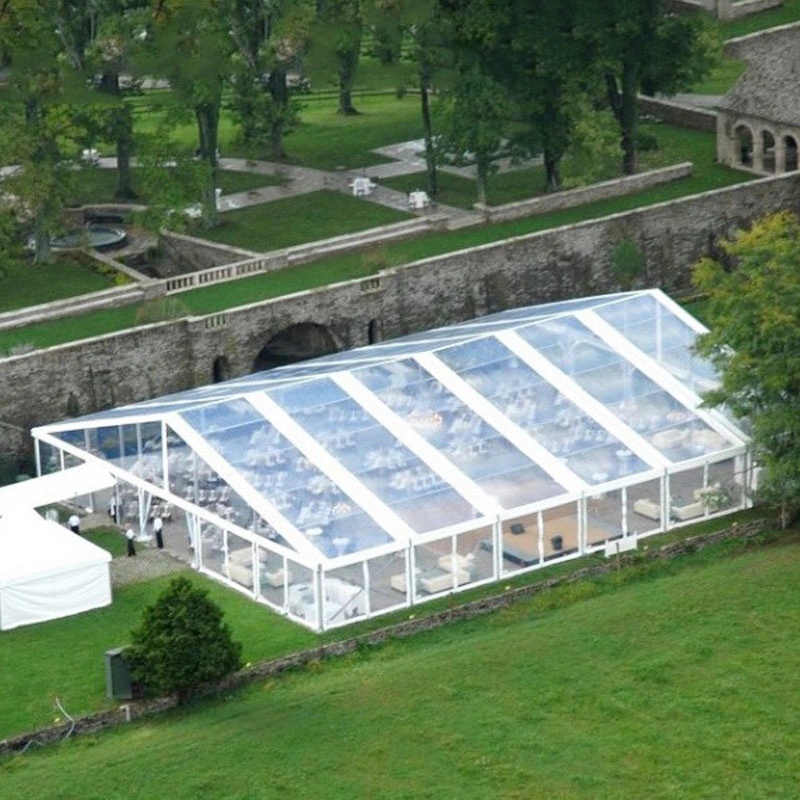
754	314
182	642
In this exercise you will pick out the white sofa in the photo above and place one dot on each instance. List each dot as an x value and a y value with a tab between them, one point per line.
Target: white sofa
443	582
648	508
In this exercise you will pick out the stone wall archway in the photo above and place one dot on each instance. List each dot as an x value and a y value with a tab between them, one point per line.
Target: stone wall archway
744	145
295	343
221	369
374	331
790	161
768	154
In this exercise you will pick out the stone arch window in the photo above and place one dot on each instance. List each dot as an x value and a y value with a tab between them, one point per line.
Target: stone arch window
295	343
221	369
789	154
375	331
744	145
767	151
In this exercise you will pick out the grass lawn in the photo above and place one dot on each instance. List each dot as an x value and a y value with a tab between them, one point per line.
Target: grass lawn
788	12
323	138
295	220
65	657
721	78
95	185
675	144
328	140
108	538
67	276
678	685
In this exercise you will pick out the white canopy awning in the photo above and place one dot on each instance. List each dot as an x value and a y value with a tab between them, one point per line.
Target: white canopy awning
55	487
47	572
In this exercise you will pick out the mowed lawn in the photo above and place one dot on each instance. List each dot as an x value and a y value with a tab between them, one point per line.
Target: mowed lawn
678	686
65	657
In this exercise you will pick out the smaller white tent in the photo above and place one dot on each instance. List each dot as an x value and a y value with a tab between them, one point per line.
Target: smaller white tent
47	572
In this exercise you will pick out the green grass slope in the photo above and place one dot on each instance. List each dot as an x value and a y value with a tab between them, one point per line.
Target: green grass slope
681	686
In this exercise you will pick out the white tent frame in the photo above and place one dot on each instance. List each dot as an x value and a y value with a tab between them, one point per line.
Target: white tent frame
303	556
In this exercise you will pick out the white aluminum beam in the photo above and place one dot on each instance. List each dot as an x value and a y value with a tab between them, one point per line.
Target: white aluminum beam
382	514
583	400
518	436
240	485
656	373
418	445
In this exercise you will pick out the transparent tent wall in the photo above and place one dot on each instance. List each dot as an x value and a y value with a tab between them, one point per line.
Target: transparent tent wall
452	563
473	555
209	545
686	495
240	564
301	598
49	458
643	507
726	485
345	594
561	535
273	577
520	542
387	581
604	518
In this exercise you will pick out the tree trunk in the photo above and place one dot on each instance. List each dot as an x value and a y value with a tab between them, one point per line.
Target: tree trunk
279	92
124	124
427	128
552	172
42	252
481	174
207	116
348	62
629	116
623	104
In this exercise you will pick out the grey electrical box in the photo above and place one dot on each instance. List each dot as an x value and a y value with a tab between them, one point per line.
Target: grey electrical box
118	675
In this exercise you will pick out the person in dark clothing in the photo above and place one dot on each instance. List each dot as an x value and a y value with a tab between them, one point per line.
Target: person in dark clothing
130	536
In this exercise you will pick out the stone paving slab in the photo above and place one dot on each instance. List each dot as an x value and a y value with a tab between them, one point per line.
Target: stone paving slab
148	563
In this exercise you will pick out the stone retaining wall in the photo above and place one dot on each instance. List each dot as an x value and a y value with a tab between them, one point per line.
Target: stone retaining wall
723	9
571	261
93	723
571	198
683	116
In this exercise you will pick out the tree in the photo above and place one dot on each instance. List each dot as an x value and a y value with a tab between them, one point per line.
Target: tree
475	118
754	343
97	37
182	643
638	46
189	45
38	130
340	27
268	38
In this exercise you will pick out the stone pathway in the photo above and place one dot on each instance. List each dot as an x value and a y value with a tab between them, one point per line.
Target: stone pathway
148	563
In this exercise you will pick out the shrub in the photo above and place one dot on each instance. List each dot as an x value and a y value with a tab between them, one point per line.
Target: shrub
182	643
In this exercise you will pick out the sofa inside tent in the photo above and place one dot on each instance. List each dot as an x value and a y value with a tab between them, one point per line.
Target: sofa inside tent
47	572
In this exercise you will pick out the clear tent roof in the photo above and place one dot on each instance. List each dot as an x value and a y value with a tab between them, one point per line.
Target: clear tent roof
431	431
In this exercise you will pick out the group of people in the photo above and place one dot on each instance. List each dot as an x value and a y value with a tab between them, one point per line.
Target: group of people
130	535
74	524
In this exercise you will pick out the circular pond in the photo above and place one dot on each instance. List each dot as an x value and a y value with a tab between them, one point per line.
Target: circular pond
98	237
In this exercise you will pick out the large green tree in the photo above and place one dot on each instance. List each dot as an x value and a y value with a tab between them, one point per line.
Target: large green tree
754	315
188	44
97	39
637	47
182	643
268	39
39	134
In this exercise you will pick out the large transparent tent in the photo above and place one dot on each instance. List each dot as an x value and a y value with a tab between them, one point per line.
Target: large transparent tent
378	478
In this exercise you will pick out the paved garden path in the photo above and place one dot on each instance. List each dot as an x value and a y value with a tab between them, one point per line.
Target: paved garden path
148	563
